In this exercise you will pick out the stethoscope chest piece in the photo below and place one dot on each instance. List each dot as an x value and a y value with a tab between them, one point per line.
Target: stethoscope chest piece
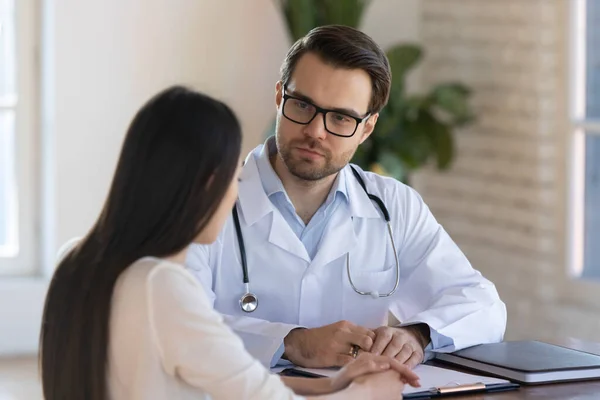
249	302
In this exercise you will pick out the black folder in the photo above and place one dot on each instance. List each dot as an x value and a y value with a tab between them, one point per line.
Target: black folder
529	362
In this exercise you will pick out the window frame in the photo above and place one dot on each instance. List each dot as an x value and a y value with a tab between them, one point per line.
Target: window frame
580	128
26	159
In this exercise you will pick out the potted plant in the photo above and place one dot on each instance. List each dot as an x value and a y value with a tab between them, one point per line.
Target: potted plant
413	129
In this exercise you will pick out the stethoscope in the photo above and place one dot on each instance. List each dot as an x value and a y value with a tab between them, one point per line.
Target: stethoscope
249	301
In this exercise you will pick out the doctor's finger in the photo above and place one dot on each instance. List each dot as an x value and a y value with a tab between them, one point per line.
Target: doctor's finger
371	334
404	354
362	341
415	359
382	341
360	330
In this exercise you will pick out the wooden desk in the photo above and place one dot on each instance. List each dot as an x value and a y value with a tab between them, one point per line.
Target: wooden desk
587	390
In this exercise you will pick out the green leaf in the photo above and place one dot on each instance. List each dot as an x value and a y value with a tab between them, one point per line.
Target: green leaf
413	105
341	12
396	99
417	139
360	157
303	15
387	123
452	98
464	120
415	135
417	148
402	58
444	146
300	16
457	87
439	139
393	165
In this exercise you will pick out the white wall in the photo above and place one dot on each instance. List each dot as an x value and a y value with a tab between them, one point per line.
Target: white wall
112	55
105	58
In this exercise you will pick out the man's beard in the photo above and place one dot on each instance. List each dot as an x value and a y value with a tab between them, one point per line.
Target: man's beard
305	168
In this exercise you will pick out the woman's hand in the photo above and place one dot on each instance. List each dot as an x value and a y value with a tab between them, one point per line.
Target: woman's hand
387	385
366	364
367	377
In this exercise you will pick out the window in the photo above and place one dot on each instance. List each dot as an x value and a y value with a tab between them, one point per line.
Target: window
17	124
585	178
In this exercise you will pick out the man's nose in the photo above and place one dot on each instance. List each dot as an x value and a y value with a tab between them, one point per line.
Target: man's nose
316	127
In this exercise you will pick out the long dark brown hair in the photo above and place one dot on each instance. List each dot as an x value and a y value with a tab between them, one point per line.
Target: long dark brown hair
178	158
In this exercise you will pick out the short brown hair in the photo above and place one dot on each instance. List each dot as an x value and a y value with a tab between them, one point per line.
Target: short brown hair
345	47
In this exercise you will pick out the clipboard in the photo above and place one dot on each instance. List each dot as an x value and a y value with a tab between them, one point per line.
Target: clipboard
454	382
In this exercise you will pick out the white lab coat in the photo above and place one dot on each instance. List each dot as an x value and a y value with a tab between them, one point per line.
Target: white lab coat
438	286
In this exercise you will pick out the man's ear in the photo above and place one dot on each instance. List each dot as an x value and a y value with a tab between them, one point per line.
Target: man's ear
369	127
278	94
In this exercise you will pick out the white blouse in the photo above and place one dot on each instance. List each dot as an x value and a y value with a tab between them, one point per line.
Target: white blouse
166	342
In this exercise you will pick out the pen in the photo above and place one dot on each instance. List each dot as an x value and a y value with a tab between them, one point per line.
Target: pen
299	373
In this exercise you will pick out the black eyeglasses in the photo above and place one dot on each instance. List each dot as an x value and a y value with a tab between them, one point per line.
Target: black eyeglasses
302	111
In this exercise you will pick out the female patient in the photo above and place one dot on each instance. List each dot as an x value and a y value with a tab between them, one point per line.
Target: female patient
124	320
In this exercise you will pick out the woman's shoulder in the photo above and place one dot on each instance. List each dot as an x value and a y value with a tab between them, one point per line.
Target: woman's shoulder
150	271
158	286
164	281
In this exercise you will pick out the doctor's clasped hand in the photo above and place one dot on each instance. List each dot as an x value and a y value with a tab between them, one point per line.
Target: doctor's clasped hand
405	344
334	344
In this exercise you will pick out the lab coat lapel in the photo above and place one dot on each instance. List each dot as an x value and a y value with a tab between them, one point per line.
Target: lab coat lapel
338	238
283	236
360	204
253	202
255	205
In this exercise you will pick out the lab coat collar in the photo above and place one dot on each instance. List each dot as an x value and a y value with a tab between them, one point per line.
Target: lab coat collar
339	237
360	204
252	198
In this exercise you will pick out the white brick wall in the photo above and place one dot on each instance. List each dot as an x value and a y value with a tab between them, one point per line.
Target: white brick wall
503	200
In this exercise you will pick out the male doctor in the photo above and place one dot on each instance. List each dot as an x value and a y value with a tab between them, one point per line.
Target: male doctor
322	262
